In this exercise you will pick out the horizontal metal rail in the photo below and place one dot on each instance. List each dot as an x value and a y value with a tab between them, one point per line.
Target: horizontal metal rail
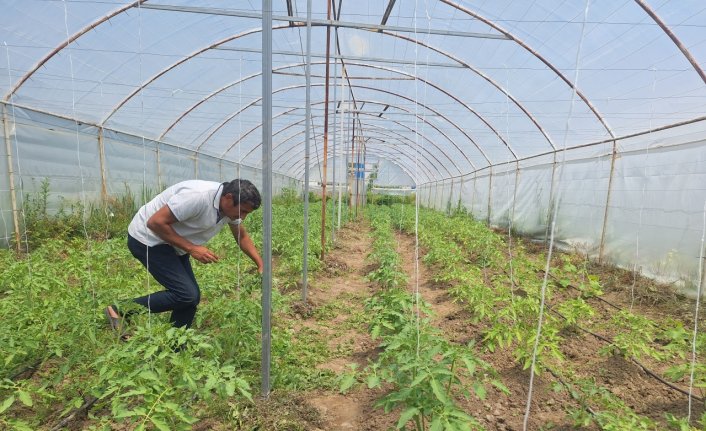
323	22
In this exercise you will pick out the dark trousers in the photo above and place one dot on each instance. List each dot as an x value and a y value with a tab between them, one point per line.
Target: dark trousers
175	274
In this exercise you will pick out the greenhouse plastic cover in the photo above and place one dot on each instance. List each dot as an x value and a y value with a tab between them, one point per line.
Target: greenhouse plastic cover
504	107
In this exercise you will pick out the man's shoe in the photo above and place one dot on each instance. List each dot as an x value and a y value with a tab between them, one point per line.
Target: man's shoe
116	323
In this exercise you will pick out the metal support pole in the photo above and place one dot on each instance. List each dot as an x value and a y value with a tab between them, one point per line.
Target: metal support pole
266	193
473	195
307	139
490	192
364	196
352	168
325	150
159	170
101	155
11	177
335	111
343	146
359	172
451	195
514	195
460	194
601	247
550	216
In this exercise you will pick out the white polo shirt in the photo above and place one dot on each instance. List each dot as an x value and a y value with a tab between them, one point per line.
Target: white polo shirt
194	203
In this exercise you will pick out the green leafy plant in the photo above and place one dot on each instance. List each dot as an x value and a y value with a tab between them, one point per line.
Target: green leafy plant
635	337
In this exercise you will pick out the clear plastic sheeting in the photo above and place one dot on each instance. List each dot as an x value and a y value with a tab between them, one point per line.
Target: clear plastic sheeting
66	156
502	107
654	214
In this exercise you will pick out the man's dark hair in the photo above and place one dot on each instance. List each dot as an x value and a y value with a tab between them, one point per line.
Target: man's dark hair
243	191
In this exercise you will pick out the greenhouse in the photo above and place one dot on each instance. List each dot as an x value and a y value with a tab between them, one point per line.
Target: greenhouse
443	215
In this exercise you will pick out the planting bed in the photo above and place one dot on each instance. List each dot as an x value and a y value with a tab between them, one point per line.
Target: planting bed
364	352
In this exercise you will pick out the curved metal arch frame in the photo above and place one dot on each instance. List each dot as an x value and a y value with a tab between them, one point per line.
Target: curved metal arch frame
224	122
665	28
105	18
392	156
254	101
378	152
240	81
484	77
253	31
256	30
400	137
367	101
426	82
66	43
396	156
395	122
447	93
181	61
538	56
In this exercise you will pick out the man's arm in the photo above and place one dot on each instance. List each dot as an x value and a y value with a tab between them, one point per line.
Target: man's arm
161	224
246	244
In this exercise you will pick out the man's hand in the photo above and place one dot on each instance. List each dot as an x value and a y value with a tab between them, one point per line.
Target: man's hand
203	254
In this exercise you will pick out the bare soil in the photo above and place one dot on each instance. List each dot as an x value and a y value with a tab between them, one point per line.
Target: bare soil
342	283
336	297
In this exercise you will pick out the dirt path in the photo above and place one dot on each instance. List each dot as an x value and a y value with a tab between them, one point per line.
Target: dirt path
336	297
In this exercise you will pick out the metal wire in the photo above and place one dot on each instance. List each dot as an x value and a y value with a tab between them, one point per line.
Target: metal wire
538	334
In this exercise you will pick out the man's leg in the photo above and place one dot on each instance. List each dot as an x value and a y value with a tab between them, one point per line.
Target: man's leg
185	316
175	274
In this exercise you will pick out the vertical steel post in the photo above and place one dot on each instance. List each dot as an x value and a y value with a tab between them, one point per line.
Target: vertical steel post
550	216
352	168
159	170
11	177
343	148
325	150
473	193
451	195
101	156
358	200
514	193
601	248
333	192
490	191
307	149
266	193
460	193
